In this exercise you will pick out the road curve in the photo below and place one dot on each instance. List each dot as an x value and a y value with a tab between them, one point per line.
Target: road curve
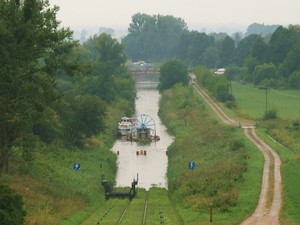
268	209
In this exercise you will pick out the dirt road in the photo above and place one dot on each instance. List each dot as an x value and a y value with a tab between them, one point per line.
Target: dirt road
270	201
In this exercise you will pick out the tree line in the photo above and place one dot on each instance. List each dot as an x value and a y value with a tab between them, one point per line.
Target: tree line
269	58
53	89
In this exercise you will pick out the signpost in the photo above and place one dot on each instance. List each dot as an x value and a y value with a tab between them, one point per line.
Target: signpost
191	165
76	166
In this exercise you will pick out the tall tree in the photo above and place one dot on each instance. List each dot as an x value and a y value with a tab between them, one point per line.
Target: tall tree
282	41
108	61
153	38
243	49
227	51
199	42
173	72
30	40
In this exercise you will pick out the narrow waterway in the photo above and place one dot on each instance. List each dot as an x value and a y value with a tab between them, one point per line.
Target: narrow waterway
152	167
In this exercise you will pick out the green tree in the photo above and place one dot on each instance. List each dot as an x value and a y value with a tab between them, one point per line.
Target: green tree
108	61
199	42
173	72
153	38
210	57
291	62
264	72
30	45
85	118
11	207
243	49
259	50
282	41
294	80
250	64
226	51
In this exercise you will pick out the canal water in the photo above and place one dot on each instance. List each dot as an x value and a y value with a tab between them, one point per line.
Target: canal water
151	167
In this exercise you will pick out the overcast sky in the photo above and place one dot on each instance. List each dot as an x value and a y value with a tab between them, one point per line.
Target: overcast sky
111	13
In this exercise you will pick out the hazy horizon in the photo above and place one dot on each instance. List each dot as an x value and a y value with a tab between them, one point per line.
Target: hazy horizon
194	12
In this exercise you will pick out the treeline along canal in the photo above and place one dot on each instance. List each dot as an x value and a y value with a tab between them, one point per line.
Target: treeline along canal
152	166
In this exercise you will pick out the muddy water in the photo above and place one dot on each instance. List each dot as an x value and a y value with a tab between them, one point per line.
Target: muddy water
152	167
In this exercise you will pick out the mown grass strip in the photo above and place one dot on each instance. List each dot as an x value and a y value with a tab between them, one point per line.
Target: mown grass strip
114	215
160	208
135	211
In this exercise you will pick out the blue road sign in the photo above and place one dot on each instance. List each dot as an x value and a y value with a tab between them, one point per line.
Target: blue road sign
191	165
76	166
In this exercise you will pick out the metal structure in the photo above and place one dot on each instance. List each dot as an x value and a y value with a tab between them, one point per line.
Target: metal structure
144	129
111	193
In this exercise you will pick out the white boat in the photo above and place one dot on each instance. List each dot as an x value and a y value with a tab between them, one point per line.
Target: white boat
125	125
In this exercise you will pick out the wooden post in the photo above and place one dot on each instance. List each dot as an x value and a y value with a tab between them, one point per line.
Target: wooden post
211	213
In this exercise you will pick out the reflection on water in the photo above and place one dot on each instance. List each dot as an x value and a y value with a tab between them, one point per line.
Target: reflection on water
152	167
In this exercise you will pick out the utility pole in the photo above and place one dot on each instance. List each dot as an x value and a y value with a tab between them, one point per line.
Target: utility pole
266	88
210	213
266	100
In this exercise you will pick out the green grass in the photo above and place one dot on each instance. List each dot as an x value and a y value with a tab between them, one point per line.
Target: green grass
252	101
160	208
56	194
291	179
249	191
217	177
135	212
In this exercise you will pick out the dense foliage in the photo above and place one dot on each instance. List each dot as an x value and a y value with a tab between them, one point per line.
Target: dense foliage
11	207
218	86
171	73
153	38
60	102
29	38
273	49
54	90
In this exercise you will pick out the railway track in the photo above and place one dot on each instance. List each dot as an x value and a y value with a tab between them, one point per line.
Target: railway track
147	208
268	209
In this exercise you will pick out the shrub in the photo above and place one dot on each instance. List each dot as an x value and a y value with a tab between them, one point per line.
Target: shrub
11	207
271	114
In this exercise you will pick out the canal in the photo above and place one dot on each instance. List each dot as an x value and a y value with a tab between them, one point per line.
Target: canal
151	167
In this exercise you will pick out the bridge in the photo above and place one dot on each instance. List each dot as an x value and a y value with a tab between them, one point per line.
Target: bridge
144	70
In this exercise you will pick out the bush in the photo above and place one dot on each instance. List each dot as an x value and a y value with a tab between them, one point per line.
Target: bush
271	115
171	73
11	207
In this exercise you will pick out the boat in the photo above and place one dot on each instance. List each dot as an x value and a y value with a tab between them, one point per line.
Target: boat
125	125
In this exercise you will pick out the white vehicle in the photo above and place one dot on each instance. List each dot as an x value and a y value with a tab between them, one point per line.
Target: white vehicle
220	71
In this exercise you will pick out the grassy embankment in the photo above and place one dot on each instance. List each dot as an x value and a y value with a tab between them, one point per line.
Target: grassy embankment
251	102
227	165
52	191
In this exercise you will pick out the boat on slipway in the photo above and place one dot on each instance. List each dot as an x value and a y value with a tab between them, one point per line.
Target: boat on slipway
125	125
140	128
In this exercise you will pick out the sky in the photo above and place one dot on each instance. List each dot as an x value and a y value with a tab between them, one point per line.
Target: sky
118	13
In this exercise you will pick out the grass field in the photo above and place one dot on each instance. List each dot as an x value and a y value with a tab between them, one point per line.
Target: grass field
252	101
204	140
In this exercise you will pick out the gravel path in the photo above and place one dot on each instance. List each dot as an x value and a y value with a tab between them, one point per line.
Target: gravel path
270	201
